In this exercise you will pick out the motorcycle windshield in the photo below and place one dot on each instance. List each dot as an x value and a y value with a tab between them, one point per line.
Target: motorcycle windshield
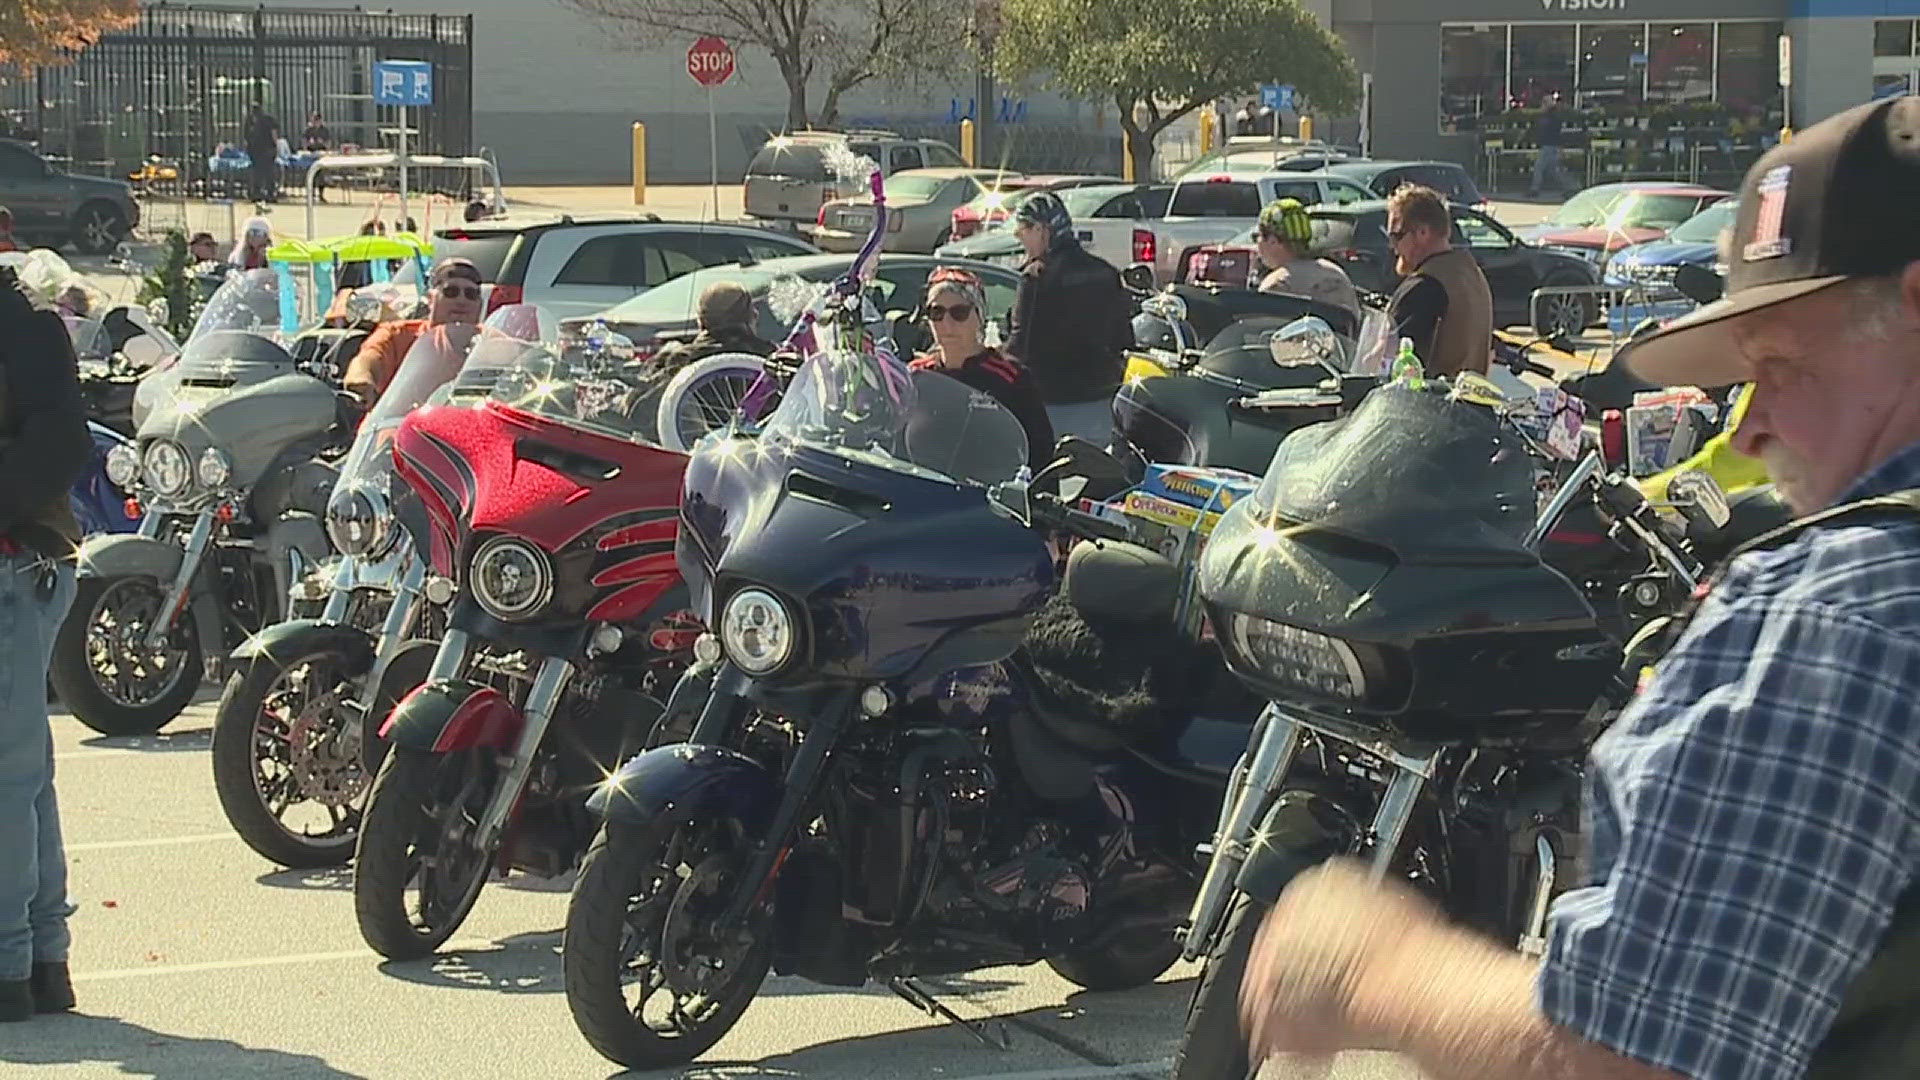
1273	351
1426	477
510	336
872	409
247	301
435	358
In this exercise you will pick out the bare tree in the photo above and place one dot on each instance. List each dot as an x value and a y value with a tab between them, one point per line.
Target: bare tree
848	42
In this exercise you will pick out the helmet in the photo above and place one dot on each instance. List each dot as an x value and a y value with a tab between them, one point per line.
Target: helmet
1286	219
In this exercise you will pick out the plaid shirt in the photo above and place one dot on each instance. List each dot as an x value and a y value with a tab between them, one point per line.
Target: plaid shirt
1755	813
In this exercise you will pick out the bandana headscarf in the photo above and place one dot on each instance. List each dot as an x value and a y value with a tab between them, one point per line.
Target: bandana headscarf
1045	208
965	282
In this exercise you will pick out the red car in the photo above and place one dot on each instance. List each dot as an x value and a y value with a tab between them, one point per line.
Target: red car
995	204
1639	215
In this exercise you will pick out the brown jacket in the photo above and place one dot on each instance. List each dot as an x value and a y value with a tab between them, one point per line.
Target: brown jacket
1464	339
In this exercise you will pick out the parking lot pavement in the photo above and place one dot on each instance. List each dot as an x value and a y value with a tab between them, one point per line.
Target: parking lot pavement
197	960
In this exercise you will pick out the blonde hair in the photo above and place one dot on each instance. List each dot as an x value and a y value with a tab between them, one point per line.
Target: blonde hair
1420	205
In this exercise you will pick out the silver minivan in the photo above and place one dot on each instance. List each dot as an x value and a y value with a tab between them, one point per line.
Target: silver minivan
792	176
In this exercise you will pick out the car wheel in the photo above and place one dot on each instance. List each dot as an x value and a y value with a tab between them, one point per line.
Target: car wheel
1564	314
98	228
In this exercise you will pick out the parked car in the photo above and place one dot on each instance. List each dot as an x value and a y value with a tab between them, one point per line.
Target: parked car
1215	209
792	176
580	264
997	202
1633	217
1584	209
1090	208
52	207
1355	236
920	206
1259	155
1651	267
1383	178
900	282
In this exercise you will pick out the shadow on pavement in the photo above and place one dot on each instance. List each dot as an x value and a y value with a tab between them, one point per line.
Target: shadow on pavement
527	963
136	1051
164	742
330	878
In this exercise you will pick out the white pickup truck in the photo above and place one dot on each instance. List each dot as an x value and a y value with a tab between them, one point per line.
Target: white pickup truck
1154	224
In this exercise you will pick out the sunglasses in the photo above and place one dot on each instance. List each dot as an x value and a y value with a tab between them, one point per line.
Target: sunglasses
960	312
1394	236
457	291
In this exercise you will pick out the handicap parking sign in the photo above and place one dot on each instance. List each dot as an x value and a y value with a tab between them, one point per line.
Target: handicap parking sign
1277	95
402	82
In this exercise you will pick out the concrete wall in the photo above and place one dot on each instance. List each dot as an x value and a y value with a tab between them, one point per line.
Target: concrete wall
1832	66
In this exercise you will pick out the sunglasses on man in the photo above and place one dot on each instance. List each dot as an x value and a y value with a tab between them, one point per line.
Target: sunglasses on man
457	291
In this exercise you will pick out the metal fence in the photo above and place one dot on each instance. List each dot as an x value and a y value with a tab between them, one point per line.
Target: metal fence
177	84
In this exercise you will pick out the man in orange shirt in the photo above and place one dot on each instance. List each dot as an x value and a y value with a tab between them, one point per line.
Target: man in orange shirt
454	297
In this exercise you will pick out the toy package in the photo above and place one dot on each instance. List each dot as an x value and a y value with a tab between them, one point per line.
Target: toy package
1198	486
1665	427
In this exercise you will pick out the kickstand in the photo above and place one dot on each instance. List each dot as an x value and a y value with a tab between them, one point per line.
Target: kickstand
917	996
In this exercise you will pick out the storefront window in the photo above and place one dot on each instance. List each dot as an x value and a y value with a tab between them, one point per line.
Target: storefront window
1613	61
1680	62
1473	75
1749	69
1893	37
1542	64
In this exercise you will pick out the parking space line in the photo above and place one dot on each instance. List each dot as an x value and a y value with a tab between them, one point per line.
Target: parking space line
157	841
362	953
1089	1072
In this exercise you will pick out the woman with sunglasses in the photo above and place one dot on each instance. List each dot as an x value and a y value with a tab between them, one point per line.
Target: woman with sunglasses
453	299
956	310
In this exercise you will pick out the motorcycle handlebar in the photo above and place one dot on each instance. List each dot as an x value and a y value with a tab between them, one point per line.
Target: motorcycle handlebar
1054	511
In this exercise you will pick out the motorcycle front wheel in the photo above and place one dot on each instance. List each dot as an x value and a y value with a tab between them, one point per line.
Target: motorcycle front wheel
1213	1047
648	983
103	671
287	752
417	868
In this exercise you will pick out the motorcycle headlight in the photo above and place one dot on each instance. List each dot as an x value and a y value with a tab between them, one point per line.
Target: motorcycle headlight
215	468
123	465
511	578
1297	657
167	468
359	521
757	631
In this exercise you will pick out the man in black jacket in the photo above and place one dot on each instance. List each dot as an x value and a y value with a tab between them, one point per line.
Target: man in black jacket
1072	322
726	326
44	446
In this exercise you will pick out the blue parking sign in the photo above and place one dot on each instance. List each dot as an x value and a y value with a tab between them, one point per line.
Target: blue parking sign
1277	95
402	82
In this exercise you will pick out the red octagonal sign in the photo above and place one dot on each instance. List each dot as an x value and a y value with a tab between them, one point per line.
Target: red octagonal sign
710	62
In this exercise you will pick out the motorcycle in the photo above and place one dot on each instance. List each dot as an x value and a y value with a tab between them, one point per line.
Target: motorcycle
115	351
555	515
1385	568
877	768
100	505
230	465
292	739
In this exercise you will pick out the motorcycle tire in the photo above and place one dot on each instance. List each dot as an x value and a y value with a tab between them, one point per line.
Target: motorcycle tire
593	956
396	814
235	780
1212	1047
79	690
1121	964
709	375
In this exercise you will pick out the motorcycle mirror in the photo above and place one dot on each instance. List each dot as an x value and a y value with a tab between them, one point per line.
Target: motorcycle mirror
1700	499
1011	500
1698	284
1165	306
1101	475
1306	342
1138	277
159	310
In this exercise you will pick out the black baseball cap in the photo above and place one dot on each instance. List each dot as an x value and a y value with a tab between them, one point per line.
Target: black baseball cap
1839	201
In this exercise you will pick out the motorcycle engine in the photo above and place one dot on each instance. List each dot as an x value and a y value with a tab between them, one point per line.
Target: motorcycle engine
1036	898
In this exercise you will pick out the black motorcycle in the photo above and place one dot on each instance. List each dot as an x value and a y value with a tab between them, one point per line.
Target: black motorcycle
905	753
1433	684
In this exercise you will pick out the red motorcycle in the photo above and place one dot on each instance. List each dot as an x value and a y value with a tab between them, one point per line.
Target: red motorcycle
551	531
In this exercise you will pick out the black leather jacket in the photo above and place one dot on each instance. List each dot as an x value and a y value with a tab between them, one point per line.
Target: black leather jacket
1072	325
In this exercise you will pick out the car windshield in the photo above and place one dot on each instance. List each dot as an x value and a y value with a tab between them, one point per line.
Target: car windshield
1411	470
1007	197
248	301
677	301
1651	210
783	158
870	408
915	188
1585	209
1706	226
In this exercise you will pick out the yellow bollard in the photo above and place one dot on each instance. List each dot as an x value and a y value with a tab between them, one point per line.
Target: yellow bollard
639	163
969	147
1206	131
1786	134
1306	129
1126	155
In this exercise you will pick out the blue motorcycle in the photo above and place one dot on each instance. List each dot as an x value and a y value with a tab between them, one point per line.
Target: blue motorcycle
906	748
99	504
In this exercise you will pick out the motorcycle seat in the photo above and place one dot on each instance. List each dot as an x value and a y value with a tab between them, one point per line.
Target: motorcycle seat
1121	581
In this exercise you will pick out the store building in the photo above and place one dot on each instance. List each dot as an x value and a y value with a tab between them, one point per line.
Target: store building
1684	88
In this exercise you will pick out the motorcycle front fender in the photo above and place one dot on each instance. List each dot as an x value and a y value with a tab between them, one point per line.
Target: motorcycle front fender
1302	830
122	555
453	714
690	781
288	641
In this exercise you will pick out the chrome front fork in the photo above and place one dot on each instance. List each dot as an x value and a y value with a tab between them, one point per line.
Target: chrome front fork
176	598
1260	777
549	682
401	617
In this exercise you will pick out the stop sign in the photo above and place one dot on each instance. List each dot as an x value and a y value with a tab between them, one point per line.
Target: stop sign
710	62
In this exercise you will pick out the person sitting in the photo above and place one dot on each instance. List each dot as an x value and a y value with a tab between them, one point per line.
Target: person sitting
725	315
250	251
1285	239
453	298
203	249
956	309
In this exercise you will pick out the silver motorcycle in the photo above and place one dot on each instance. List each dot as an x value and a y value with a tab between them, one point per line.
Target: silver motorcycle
231	468
294	739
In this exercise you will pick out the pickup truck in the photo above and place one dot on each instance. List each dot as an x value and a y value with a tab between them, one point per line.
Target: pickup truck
1131	225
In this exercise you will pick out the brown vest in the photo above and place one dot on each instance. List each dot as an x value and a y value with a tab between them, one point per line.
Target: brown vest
1464	339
